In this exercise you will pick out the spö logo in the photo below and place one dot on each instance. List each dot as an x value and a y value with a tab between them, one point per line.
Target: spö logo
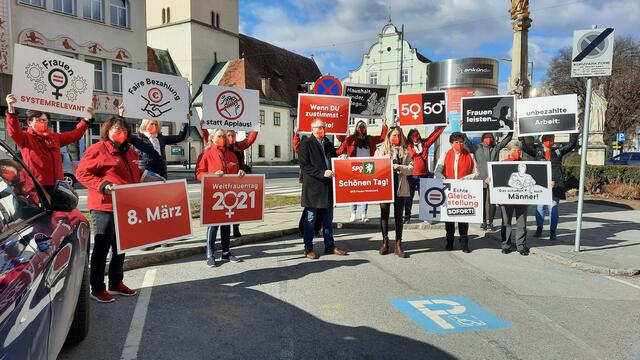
366	167
56	76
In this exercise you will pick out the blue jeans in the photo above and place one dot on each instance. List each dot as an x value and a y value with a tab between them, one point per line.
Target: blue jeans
324	215
225	239
553	217
414	185
363	209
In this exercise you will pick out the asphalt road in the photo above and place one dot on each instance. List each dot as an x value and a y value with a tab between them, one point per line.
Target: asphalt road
279	305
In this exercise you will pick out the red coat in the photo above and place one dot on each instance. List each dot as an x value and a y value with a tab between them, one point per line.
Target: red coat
421	161
212	160
101	165
42	153
350	143
239	146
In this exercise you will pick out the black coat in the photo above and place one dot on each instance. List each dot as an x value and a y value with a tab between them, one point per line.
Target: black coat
316	189
149	157
557	153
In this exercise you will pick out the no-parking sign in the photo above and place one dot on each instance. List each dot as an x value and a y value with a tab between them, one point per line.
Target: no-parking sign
230	108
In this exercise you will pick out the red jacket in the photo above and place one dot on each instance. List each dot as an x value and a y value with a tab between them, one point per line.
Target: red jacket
102	165
349	144
421	161
42	153
212	160
239	146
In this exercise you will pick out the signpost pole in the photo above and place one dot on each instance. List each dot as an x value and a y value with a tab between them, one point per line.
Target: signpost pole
583	163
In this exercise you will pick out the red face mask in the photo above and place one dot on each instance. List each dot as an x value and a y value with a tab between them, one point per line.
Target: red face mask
152	129
8	175
40	127
395	141
415	138
548	143
515	155
220	143
119	136
362	131
488	141
457	147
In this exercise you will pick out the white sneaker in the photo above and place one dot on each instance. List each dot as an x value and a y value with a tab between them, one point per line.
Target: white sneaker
230	257
364	218
352	218
211	262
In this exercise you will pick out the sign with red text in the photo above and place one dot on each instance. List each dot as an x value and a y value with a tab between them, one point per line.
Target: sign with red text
362	180
49	82
151	213
230	108
333	110
451	200
231	199
428	108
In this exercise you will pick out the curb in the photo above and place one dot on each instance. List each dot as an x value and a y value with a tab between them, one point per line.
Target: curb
374	224
576	264
145	260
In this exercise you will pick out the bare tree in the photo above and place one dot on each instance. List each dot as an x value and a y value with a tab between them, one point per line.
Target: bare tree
621	89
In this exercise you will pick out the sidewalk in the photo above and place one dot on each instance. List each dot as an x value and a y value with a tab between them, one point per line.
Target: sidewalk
610	236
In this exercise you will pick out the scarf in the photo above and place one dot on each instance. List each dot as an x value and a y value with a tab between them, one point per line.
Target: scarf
154	142
465	164
417	148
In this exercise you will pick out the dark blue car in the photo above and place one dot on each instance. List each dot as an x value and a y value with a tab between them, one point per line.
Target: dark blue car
44	257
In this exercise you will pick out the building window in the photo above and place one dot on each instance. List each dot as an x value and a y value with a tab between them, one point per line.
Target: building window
98	73
164	16
373	78
371	121
93	9
352	121
405	76
262	117
39	3
65	6
217	20
276	151
168	15
116	77
213	18
119	13
276	119
261	151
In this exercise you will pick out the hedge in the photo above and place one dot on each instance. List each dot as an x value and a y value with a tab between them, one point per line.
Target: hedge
598	175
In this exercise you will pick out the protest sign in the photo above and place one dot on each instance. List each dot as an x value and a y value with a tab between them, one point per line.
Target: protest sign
451	200
362	180
548	115
231	199
428	108
230	108
333	110
151	95
482	114
367	101
520	182
49	82
150	213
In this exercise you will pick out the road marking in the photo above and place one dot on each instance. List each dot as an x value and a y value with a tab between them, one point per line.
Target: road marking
624	282
132	344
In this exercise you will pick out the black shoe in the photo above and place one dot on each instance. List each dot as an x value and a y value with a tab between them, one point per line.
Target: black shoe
464	244
449	246
491	227
538	232
483	226
506	251
524	252
552	237
406	219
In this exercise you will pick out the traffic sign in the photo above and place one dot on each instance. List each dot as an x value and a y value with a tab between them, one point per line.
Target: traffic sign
592	52
328	85
621	137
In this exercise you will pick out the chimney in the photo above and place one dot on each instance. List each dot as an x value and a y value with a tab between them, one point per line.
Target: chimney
266	86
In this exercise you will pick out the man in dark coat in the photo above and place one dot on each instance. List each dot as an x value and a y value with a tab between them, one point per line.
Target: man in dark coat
547	151
315	162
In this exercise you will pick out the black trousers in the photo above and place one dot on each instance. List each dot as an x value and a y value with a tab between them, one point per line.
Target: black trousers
385	210
489	209
104	238
463	229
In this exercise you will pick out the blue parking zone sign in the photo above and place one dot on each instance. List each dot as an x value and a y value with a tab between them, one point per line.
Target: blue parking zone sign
448	314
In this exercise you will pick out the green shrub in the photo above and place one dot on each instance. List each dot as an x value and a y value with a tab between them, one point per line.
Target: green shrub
596	176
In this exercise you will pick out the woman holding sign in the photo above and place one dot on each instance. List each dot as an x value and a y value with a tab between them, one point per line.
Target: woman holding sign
395	148
106	164
360	144
217	159
457	163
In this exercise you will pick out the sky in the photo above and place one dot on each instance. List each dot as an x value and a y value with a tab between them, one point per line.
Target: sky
337	33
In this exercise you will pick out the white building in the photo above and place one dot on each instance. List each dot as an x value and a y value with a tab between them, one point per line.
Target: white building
381	66
110	34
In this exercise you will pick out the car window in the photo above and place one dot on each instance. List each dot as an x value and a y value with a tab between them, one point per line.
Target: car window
635	156
19	198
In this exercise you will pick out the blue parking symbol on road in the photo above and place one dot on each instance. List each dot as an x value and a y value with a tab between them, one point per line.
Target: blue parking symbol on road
448	314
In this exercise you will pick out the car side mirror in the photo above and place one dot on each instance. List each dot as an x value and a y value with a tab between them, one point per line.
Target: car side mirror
64	197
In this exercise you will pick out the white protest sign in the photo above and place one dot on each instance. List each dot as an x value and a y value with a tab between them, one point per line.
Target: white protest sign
230	108
49	82
548	115
592	53
520	183
451	200
151	95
